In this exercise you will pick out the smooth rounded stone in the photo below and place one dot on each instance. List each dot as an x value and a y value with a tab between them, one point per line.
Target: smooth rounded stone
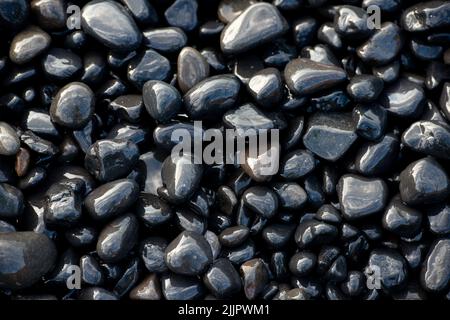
118	238
179	287
13	13
351	22
424	182
191	68
255	276
182	14
261	200
329	135
148	289
50	14
61	64
426	16
290	194
266	87
128	107
9	140
354	285
404	99
234	236
110	24
361	197
297	164
94	68
375	158
165	40
81	237
181	178
226	200
435	274
312	233
329	214
109	160
428	137
39	122
152	210
73	105
240	254
424	51
439	219
302	263
149	166
91	274
278	235
260	163
329	101
28	44
401	219
129	278
32	178
162	101
148	65
137	134
111	199
414	253
222	279
390	266
97	294
12	201
388	73
305	76
258	24
383	46
25	258
63	205
188	220
142	10
444	101
45	149
5	227
188	254
210	30
152	253
62	270
370	121
212	97
228	10
365	88
214	59
327	34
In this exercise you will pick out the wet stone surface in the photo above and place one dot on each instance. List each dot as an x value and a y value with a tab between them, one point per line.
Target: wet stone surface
227	149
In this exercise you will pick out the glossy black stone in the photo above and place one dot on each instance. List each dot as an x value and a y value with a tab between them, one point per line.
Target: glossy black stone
262	200
109	160
278	235
152	210
112	198
188	220
222	279
426	16
191	68
188	254
254	277
81	237
39	121
297	164
290	194
256	25
165	40
182	14
118	238
424	182
391	267
383	46
212	97
402	220
304	30
152	253
439	219
63	205
128	107
61	65
370	120
313	233
12	200
91	273
361	197
266	87
26	257
162	101
178	287
305	76
302	263
428	137
234	236
73	105
28	44
435	274
351	22
119	33
142	10
329	135
148	65
148	289
365	88
9	140
404	99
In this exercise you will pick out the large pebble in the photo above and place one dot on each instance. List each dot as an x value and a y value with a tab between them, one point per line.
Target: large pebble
390	266
28	44
9	140
435	275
